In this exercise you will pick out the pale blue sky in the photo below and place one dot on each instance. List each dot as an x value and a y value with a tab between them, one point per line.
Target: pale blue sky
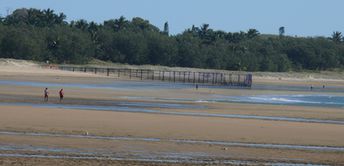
299	17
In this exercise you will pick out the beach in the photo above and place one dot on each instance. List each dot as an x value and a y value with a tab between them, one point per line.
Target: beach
109	120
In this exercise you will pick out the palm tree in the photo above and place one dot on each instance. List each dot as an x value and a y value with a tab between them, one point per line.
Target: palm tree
203	30
60	18
92	29
194	30
81	24
120	23
251	33
35	17
337	37
49	16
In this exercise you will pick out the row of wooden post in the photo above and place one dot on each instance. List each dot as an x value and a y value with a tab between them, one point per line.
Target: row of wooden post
213	78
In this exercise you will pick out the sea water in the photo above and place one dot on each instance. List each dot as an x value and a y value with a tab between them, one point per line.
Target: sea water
321	100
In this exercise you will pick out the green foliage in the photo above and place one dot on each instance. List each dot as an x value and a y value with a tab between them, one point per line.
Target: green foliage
43	35
19	43
68	45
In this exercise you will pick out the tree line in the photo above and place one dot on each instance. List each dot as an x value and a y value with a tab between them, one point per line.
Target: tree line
44	35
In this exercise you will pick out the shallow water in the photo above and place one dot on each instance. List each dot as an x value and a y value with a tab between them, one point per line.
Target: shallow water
322	100
136	85
333	89
317	100
184	113
184	141
116	85
193	161
302	100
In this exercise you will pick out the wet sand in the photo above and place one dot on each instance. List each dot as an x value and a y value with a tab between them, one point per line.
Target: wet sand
175	127
163	150
108	123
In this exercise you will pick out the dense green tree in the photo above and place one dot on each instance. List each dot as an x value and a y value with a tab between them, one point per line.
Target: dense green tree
189	52
44	35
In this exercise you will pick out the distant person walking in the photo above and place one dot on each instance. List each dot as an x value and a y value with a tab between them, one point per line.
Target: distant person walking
61	93
46	94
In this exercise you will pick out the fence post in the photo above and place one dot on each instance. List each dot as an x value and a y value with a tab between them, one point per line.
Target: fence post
213	79
189	76
159	75
194	77
141	74
174	76
129	73
224	79
221	78
216	78
239	79
169	76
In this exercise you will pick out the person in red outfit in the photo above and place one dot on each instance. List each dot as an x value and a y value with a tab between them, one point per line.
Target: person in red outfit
61	93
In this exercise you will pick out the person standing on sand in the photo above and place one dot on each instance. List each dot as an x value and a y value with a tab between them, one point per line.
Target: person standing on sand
61	93
46	94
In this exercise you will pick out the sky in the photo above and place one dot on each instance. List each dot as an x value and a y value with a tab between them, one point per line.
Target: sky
299	17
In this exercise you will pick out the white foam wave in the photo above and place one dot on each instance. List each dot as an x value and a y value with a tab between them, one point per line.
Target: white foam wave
201	101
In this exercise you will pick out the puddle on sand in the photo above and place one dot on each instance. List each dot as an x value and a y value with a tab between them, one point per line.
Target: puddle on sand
333	89
185	141
102	154
197	114
191	161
